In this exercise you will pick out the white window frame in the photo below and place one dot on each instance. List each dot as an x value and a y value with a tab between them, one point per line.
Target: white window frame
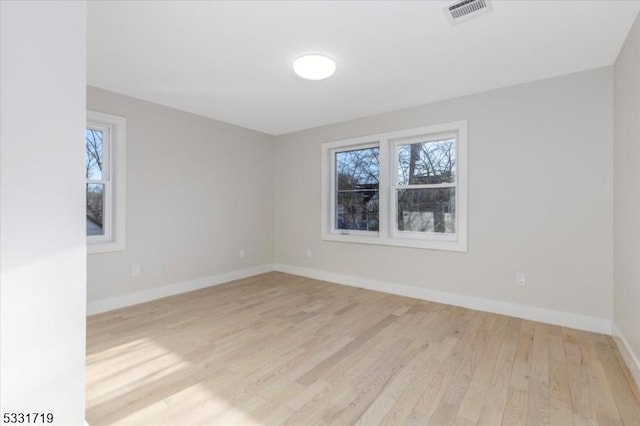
114	130
388	234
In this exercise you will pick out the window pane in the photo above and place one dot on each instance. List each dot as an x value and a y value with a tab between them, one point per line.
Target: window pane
357	184
93	153
357	210
427	162
358	169
95	209
427	210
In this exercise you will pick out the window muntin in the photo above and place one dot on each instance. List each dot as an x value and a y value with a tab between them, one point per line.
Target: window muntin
417	187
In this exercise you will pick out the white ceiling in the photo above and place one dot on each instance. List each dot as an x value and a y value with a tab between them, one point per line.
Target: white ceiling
232	60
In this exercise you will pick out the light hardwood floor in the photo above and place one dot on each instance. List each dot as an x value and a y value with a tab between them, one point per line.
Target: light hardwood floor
278	349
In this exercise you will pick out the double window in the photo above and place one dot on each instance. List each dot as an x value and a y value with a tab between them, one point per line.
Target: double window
105	139
405	188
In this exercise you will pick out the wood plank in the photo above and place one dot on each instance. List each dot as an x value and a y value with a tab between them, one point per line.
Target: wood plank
539	402
577	356
496	397
559	391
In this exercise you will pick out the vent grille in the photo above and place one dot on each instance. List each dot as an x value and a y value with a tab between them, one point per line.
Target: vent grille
466	9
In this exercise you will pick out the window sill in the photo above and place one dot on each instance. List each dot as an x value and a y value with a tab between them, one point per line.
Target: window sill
398	242
106	247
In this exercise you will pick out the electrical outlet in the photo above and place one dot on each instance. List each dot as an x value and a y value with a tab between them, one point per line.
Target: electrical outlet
135	270
521	279
308	253
241	253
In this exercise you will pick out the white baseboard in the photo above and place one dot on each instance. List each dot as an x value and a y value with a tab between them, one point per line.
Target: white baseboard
125	300
630	358
561	318
565	319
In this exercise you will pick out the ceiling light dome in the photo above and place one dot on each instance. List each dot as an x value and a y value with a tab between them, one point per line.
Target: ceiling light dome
314	66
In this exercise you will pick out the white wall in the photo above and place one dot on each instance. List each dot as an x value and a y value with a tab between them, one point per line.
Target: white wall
540	185
626	197
198	191
42	236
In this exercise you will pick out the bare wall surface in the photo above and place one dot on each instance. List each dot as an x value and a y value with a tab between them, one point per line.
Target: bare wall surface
42	228
198	192
540	198
626	199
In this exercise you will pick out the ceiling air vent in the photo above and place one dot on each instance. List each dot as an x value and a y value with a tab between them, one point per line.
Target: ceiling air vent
466	9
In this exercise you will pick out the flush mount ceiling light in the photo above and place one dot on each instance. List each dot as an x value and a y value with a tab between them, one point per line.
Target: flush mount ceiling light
314	66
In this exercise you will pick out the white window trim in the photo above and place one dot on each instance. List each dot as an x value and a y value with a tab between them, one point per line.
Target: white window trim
387	233
115	187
